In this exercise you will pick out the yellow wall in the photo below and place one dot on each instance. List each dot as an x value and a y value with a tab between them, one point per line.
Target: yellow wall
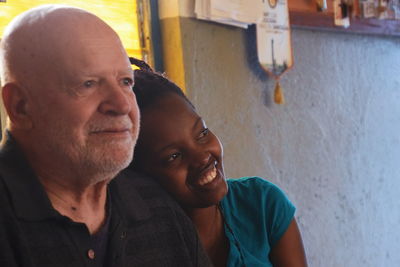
121	15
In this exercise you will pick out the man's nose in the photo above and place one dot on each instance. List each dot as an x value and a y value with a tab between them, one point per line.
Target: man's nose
118	100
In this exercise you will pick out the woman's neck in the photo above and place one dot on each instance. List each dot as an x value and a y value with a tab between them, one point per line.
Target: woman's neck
210	227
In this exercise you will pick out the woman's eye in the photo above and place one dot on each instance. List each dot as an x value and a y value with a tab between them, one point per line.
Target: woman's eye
204	133
173	157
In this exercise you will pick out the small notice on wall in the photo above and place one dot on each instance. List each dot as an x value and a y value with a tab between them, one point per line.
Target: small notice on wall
239	13
273	29
274	39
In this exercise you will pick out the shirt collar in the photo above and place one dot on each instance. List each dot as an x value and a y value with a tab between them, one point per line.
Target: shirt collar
27	195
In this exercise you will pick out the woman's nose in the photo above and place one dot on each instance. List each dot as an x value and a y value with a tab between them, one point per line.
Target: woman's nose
200	159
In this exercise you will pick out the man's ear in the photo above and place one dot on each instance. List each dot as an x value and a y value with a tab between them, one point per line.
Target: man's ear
16	103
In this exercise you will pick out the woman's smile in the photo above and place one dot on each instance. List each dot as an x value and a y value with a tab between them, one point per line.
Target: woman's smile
207	178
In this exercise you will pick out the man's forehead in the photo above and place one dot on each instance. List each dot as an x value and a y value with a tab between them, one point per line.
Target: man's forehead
79	74
94	54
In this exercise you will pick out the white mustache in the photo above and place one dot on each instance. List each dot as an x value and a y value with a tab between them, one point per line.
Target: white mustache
108	124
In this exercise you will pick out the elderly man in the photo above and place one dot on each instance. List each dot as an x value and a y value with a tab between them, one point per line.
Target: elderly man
66	85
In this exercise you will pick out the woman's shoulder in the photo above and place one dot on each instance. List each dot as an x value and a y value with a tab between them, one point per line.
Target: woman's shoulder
256	192
260	203
252	184
249	180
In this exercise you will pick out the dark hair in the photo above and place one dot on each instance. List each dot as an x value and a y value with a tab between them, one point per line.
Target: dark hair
150	86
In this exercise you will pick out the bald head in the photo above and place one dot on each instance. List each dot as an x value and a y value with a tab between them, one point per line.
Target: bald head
35	41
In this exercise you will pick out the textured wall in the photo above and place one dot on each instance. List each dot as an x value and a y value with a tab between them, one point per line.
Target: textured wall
334	147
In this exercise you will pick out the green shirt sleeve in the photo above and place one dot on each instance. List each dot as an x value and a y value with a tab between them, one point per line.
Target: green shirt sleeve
258	213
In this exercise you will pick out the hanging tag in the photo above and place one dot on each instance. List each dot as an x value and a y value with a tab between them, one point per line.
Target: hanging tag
274	45
278	94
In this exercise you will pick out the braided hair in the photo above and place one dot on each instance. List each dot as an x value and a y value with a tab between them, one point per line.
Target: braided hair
150	86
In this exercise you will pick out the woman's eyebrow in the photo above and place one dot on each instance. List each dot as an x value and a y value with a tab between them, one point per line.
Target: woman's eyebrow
162	149
199	120
165	147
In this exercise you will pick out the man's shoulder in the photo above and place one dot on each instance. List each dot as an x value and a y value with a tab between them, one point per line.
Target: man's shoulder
5	204
138	179
12	159
133	185
145	185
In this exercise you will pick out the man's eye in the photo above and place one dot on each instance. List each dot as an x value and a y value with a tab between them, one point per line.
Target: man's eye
173	157
89	84
204	133
127	82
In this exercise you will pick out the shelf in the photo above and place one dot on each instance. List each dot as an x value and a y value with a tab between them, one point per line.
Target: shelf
305	15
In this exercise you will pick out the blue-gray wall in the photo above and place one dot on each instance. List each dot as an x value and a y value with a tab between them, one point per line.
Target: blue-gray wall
334	147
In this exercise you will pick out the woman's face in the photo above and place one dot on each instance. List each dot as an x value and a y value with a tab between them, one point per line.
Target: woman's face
176	147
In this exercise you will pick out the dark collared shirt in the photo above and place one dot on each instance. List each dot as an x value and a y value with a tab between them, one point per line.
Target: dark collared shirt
146	227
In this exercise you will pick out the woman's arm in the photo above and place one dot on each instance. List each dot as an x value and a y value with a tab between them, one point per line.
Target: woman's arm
289	250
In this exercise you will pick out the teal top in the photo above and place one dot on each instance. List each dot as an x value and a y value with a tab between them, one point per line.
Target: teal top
257	213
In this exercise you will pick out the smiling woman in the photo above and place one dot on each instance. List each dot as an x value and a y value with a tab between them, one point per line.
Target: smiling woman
241	222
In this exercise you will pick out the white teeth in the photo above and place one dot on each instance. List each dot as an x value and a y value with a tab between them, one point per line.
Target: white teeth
209	177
